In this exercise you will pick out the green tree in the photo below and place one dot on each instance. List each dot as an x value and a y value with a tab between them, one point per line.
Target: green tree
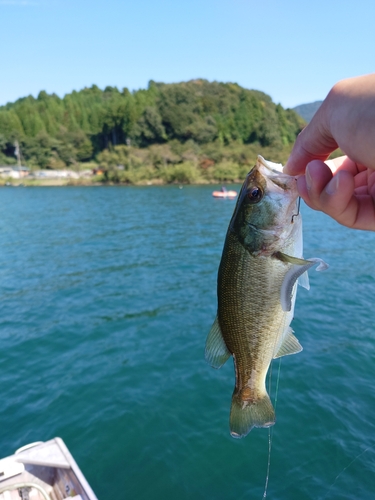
204	116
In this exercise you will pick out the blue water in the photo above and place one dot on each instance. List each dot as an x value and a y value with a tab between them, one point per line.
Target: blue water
107	295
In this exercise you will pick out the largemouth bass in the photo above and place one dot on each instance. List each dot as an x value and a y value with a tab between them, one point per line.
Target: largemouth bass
256	287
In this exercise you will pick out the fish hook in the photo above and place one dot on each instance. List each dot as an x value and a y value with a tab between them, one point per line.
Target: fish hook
298	207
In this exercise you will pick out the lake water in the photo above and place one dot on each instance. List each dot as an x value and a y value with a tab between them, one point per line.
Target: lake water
107	295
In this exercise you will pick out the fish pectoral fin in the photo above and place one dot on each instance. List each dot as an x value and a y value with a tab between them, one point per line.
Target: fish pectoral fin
303	280
289	259
297	270
287	286
290	345
322	265
216	352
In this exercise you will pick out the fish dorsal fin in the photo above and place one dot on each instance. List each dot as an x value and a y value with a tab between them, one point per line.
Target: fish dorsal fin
290	345
216	352
297	269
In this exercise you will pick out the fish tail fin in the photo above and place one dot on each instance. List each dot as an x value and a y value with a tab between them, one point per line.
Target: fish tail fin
244	415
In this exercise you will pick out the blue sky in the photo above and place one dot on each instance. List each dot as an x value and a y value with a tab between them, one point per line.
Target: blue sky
292	50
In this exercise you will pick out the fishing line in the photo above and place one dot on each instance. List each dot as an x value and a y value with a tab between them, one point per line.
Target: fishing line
347	467
270	429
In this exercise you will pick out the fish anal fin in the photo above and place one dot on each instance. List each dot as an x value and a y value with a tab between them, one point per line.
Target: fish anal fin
290	345
244	415
216	352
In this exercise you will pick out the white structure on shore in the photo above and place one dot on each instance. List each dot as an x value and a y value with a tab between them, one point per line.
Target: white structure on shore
55	174
14	172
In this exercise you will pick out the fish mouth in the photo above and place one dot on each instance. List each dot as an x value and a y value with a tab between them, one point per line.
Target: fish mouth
281	189
274	172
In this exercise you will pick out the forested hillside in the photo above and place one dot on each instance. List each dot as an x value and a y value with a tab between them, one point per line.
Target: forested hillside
194	126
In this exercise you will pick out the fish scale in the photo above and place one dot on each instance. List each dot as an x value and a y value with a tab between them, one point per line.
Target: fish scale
257	278
245	324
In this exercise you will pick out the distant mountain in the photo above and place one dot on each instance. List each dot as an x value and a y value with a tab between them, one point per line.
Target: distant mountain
307	111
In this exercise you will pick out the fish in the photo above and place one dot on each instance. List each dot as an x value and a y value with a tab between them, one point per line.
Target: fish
257	279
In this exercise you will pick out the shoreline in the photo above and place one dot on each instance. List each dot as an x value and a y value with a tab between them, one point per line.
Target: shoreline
86	183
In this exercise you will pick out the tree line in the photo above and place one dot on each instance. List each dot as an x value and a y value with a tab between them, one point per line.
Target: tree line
157	127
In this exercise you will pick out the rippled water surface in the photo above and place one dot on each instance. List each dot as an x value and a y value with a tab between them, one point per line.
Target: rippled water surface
107	295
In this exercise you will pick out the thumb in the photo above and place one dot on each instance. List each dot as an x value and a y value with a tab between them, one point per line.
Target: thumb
315	142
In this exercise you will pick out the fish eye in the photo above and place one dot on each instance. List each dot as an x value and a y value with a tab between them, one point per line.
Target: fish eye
254	194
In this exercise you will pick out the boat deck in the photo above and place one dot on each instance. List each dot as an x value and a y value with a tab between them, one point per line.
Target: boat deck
43	471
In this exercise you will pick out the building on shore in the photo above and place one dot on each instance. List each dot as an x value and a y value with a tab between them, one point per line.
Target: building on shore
14	172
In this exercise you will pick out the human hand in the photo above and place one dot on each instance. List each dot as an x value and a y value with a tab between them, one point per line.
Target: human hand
342	188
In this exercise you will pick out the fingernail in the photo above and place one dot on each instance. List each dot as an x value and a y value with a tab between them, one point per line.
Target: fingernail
308	178
333	185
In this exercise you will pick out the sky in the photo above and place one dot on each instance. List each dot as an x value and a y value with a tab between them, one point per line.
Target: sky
295	51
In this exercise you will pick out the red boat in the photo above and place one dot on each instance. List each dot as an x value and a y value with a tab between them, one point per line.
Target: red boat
224	193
